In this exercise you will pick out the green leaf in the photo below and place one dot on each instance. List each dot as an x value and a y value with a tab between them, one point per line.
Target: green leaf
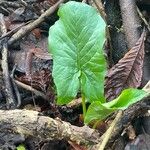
21	147
76	42
97	111
127	98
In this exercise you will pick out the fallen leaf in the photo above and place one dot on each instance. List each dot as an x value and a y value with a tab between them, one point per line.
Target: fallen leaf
127	72
38	53
39	80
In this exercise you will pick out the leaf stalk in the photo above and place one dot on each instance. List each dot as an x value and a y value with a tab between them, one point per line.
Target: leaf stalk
83	105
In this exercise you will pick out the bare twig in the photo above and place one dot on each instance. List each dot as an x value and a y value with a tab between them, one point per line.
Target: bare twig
16	90
26	29
7	81
147	87
31	123
8	87
109	131
14	30
100	8
143	19
2	25
75	103
29	88
10	4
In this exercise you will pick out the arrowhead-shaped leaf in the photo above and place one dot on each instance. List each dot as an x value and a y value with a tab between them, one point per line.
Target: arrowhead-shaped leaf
76	42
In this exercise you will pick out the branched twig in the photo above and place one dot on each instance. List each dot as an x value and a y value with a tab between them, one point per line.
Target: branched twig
26	29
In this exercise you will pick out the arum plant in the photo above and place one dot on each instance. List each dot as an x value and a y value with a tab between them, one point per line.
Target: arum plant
76	42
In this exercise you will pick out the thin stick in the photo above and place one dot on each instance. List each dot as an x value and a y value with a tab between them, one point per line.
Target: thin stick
10	100
29	88
108	133
146	88
8	87
99	5
143	19
18	97
100	8
10	33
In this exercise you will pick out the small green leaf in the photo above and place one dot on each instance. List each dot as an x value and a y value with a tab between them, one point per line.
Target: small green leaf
76	42
127	98
21	147
97	111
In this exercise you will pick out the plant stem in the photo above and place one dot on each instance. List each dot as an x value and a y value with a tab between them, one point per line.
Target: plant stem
95	124
83	105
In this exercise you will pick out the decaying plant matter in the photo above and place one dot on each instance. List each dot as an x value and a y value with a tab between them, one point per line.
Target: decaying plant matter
127	72
76	61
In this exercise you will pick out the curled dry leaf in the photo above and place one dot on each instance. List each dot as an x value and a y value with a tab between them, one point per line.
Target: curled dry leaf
127	72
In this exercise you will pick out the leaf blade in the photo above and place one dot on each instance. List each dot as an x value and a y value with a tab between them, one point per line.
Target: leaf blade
127	98
78	58
97	111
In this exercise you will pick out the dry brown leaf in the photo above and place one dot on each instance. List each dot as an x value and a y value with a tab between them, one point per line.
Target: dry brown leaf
127	72
39	80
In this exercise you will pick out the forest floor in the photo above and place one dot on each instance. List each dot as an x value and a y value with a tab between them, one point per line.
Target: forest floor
30	118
